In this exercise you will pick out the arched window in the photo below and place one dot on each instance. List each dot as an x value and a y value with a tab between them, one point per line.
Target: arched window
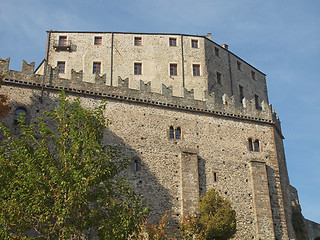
17	114
256	146
250	144
171	132
178	133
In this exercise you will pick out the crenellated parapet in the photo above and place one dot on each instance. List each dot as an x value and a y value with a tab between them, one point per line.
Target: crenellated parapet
211	104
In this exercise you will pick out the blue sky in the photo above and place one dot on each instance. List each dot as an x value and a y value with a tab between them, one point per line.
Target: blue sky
280	38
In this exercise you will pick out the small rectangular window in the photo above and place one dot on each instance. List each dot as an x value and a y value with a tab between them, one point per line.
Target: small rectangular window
137	68
219	78
172	42
173	69
97	67
216	51
137	41
97	40
215	177
194	43
253	75
196	70
239	65
63	41
61	67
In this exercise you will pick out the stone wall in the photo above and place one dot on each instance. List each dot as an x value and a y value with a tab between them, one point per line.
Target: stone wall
213	151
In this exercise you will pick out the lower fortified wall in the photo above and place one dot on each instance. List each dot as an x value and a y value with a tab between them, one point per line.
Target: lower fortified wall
180	147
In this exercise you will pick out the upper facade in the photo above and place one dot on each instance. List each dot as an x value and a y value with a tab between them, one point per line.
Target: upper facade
177	60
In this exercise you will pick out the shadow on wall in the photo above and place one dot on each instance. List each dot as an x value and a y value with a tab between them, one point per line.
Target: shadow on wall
143	180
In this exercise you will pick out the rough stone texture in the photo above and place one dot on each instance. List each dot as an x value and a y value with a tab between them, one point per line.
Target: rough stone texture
213	151
313	229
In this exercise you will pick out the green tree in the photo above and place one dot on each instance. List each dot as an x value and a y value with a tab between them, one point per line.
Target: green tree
4	107
215	219
59	181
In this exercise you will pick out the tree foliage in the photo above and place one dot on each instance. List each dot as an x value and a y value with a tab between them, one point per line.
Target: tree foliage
4	107
59	181
217	220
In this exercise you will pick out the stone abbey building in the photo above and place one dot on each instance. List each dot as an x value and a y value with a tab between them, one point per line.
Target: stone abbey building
189	113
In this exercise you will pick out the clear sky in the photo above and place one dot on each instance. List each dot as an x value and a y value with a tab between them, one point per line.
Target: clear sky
280	38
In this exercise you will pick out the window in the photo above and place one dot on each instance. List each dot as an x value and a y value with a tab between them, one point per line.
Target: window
175	133
137	41
216	51
97	40
239	65
97	67
196	70
178	133
250	144
219	78
171	132
256	146
61	67
136	161
253	75
194	43
17	115
256	100
137	68
241	93
173	69
215	177
63	41
172	42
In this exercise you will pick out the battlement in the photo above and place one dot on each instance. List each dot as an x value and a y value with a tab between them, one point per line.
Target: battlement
210	103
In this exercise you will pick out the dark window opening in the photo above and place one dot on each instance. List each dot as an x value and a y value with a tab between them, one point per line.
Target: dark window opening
219	78
216	51
61	67
63	41
250	144
253	75
239	65
194	43
196	70
215	177
97	67
256	99
137	41
241	93
136	164
97	40
173	69
171	133
20	112
178	133
137	68
256	146
172	42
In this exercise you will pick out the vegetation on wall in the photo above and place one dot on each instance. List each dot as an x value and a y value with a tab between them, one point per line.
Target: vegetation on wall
58	180
4	107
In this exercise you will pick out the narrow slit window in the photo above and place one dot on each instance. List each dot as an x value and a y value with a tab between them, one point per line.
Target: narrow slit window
241	93
239	65
136	164
215	177
256	99
250	144
256	146
219	78
216	51
178	133
253	75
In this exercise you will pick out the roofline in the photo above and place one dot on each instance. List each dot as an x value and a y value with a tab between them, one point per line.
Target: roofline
177	34
39	65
